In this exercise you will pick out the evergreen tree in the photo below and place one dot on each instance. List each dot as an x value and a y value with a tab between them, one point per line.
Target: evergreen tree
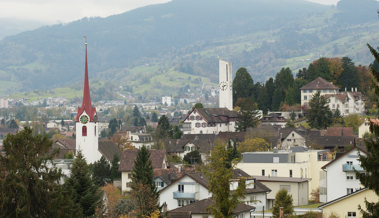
144	191
22	191
62	122
284	79
177	133
243	85
319	114
349	78
283	199
193	157
278	98
85	192
164	128
322	69
198	105
13	124
142	121
232	153
154	117
262	98
101	172
291	96
370	162
247	116
135	121
112	126
270	89
115	174
136	112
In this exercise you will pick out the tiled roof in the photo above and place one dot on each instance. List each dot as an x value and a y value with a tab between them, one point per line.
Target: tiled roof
331	162
177	145
107	148
319	84
133	129
215	115
332	141
235	136
65	146
128	157
339	96
339	131
200	207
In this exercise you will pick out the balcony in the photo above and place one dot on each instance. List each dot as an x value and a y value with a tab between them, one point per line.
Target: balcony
184	195
350	168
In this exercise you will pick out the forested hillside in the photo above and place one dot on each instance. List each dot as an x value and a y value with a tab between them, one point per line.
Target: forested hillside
153	47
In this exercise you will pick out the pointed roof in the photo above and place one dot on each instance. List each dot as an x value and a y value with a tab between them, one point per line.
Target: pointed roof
319	84
86	104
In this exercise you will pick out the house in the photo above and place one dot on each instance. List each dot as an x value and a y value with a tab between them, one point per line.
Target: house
365	127
141	139
274	119
346	102
157	157
297	187
299	162
317	85
164	177
210	121
198	209
193	187
201	142
292	137
347	205
65	146
338	177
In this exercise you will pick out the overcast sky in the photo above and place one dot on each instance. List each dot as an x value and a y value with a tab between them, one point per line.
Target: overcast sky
58	11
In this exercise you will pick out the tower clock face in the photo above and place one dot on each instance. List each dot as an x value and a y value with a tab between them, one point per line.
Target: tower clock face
84	119
223	86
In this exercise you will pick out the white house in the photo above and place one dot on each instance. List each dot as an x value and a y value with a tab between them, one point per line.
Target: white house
338	177
365	127
346	102
193	187
166	100
210	121
157	157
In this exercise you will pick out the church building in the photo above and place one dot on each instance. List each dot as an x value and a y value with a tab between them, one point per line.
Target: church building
86	124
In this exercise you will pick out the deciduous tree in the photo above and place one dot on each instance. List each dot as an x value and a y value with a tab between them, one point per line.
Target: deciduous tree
252	144
219	178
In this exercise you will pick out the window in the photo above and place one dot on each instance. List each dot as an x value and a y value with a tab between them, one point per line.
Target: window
204	125
293	134
192	118
351	214
349	162
197	117
186	126
84	131
349	190
128	184
129	175
226	72
288	140
197	124
220	124
162	184
287	187
274	173
290	173
181	188
263	172
275	159
180	203
305	97
349	177
334	105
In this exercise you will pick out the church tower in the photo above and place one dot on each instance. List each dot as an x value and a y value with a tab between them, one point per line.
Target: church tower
226	81
86	123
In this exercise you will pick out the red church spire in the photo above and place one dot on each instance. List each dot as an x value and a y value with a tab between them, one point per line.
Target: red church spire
86	104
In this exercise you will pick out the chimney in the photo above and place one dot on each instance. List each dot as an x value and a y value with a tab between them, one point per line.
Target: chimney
352	89
356	89
345	89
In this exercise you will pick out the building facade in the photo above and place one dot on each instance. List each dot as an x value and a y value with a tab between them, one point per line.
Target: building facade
226	82
210	121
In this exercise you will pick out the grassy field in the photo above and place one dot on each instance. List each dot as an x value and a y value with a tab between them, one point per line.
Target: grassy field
4	85
66	92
